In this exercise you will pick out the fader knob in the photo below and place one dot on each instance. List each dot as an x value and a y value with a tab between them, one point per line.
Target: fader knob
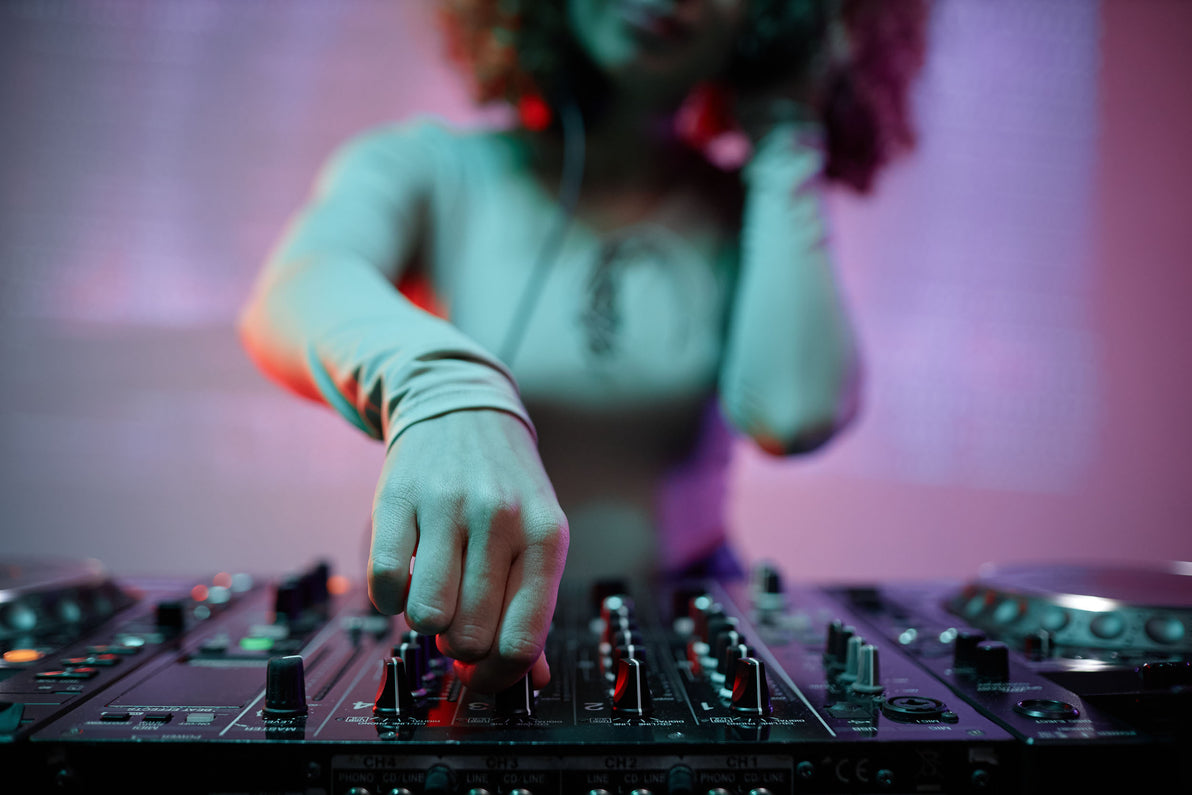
751	691
631	693
285	687
516	701
394	697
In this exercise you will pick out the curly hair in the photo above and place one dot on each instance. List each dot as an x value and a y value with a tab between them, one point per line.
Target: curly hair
522	52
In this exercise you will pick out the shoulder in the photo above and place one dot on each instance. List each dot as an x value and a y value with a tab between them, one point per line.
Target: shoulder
392	145
421	147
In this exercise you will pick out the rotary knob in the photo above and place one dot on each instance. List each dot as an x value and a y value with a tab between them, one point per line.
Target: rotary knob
727	667
767	589
285	687
852	660
836	650
614	609
412	657
1037	645
992	662
169	617
751	691
516	701
964	648
631	693
869	679
287	601
394	699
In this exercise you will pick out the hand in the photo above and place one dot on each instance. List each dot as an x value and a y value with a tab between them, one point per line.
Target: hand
467	494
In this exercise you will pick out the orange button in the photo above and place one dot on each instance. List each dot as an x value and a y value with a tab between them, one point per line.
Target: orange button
22	655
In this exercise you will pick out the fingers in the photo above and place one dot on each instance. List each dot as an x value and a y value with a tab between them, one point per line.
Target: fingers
526	614
466	498
434	584
394	537
482	593
530	599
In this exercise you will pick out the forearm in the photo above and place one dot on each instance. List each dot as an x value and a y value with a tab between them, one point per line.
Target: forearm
790	371
336	330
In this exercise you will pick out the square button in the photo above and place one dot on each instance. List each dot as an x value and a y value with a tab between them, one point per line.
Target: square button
200	718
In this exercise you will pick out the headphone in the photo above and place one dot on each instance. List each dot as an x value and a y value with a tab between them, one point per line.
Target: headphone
572	123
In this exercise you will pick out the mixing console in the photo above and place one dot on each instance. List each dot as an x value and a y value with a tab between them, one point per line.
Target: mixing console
295	685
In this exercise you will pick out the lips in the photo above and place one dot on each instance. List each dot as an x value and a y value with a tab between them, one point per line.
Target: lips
652	19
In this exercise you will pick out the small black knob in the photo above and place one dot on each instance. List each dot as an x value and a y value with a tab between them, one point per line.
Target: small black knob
631	693
285	687
1037	645
170	617
630	651
964	651
837	649
699	608
614	606
1174	675
726	639
439	781
833	642
726	666
287	601
751	691
680	780
314	584
767	588
517	700
394	696
412	655
616	625
992	662
717	624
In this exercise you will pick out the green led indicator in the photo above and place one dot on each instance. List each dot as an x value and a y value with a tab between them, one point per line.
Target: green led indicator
256	644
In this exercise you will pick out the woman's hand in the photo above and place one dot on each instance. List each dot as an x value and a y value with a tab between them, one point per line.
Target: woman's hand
466	494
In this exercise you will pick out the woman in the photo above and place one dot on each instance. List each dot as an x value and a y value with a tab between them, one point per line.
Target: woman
608	294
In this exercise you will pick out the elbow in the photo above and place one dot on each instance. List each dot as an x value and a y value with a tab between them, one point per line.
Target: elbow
796	424
799	434
250	333
267	346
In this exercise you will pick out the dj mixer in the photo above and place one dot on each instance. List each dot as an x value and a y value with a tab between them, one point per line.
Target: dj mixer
1027	679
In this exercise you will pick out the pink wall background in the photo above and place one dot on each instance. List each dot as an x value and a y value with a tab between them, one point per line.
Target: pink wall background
1020	284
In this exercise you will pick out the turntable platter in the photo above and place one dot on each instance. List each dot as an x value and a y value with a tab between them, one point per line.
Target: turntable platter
1134	608
1157	585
